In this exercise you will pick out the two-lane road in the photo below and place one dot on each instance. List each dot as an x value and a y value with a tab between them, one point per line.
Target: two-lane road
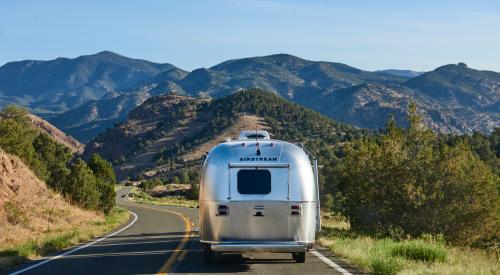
158	242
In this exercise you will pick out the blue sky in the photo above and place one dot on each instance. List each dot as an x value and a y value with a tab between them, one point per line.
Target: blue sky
371	35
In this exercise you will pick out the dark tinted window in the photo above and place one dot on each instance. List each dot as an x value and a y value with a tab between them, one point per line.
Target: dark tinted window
255	136
254	181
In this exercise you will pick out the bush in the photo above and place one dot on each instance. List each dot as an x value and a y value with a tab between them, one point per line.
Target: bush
385	266
148	185
55	158
16	136
56	243
419	251
15	214
81	186
106	180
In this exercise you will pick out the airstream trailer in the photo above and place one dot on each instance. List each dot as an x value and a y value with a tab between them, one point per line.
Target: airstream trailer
258	194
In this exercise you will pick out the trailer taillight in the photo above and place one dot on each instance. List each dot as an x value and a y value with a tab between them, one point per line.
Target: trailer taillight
295	210
222	210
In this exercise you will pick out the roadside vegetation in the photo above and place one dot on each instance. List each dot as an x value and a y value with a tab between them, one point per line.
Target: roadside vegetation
50	240
139	196
426	254
409	201
179	189
87	185
49	198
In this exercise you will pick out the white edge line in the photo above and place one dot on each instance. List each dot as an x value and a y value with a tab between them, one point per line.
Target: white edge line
330	262
76	248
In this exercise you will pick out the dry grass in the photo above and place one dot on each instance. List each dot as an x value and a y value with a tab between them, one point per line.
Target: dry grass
140	197
44	243
418	256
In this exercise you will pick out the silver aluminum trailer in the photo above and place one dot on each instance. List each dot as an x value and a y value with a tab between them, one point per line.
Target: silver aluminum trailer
258	194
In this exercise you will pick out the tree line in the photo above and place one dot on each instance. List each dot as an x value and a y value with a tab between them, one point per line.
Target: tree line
89	185
409	182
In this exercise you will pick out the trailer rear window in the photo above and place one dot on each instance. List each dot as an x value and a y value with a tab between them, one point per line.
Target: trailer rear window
254	182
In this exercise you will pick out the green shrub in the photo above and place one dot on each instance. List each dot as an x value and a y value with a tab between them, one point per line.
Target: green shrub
106	180
385	266
56	243
419	251
15	213
81	186
23	250
148	185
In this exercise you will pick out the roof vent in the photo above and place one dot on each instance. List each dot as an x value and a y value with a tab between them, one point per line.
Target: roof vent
253	135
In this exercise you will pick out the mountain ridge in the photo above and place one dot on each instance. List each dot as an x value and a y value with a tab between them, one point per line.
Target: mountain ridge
61	84
452	98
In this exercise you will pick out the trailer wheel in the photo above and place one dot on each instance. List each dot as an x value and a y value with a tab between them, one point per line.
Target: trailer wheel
299	257
208	254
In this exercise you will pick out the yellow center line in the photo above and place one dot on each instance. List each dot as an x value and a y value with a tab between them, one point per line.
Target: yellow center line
178	251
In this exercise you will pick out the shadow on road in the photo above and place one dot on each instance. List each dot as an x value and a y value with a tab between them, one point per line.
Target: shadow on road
179	234
225	263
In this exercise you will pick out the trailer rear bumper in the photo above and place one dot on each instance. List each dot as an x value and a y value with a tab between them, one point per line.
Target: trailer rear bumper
261	247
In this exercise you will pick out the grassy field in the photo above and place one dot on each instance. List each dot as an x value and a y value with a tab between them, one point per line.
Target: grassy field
51	241
141	197
426	255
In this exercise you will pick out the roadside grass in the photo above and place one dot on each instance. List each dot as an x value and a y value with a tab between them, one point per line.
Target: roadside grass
425	255
52	241
141	197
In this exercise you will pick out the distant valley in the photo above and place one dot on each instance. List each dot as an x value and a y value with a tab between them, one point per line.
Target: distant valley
86	95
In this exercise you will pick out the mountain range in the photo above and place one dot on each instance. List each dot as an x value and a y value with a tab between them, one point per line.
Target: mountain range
86	95
62	84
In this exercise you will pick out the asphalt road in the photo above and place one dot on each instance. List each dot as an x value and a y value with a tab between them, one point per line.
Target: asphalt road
158	243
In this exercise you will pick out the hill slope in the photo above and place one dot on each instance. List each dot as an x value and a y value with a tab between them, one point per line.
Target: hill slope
25	200
170	131
62	84
459	85
45	127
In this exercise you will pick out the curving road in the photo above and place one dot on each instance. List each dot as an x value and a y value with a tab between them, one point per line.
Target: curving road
162	240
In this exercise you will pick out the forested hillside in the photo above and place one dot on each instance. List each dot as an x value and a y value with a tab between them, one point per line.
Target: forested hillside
163	130
88	185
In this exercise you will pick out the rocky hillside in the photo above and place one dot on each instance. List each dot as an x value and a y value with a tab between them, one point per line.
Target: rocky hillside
45	127
171	131
61	84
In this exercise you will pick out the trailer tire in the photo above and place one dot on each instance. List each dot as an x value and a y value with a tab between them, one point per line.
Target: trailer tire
208	254
299	257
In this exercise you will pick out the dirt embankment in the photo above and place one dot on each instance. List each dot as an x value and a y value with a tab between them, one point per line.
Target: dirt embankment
28	209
